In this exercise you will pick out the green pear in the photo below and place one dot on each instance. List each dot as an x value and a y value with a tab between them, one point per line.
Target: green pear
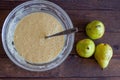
103	54
95	29
85	48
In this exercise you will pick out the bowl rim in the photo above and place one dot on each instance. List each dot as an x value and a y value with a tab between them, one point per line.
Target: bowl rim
5	27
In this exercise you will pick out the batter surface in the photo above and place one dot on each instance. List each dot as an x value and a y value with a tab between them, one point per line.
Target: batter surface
29	38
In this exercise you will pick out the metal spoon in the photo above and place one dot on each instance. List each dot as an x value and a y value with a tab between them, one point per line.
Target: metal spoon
66	32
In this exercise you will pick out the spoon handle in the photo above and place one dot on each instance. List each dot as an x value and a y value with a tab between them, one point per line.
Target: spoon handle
68	31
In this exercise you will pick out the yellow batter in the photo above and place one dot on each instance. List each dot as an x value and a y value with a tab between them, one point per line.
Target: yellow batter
29	38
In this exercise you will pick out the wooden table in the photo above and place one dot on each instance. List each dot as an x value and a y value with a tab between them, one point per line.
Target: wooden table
74	67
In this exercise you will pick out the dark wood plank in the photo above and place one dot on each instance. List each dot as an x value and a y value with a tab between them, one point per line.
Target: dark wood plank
80	19
74	66
3	15
103	78
109	37
9	4
8	69
71	4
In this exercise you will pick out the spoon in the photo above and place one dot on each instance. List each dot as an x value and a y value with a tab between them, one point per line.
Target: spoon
65	32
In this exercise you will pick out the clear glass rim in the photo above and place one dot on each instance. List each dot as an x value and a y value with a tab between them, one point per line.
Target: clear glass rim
5	26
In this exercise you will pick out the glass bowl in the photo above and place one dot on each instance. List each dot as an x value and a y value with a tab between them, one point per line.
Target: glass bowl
25	9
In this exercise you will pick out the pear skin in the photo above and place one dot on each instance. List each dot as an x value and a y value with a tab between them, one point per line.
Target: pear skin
85	48
95	29
103	54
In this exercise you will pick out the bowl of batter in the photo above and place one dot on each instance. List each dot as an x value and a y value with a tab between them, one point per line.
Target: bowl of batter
24	31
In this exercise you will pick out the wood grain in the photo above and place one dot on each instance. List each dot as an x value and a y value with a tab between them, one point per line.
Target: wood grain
111	19
74	67
38	78
71	4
